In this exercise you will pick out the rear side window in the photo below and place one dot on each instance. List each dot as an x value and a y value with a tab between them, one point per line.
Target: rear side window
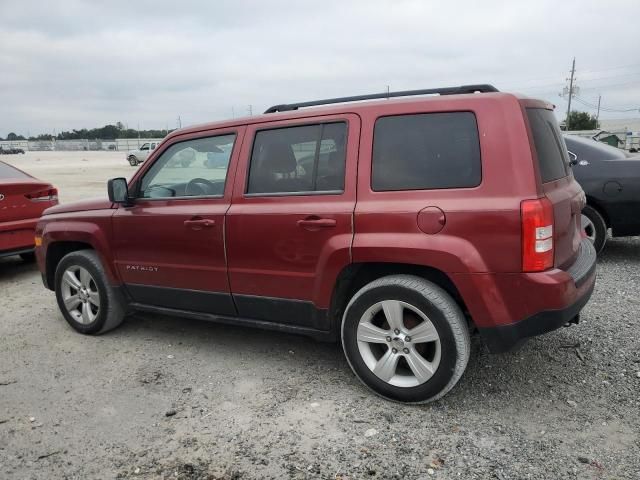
309	158
550	147
7	171
426	151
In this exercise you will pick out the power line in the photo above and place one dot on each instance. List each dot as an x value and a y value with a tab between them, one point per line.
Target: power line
557	83
606	109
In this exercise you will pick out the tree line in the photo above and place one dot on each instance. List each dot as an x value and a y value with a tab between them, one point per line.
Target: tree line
576	121
108	132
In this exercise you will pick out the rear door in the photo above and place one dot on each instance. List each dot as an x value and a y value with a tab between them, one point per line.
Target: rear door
557	182
290	223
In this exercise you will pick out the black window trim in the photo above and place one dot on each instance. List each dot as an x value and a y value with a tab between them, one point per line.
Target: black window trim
138	184
306	123
373	139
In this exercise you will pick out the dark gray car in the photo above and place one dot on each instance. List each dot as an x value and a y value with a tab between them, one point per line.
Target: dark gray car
610	178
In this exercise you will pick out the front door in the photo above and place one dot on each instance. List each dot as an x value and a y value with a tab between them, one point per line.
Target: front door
289	228
170	242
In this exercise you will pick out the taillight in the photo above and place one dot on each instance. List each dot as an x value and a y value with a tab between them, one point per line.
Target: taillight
47	195
537	235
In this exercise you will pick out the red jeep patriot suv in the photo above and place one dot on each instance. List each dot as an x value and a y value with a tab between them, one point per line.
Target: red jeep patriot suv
398	226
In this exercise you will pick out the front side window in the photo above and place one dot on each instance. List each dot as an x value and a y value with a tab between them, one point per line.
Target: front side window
309	158
426	151
191	168
144	146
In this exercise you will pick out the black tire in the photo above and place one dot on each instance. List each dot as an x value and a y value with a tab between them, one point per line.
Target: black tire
599	234
28	257
112	309
444	314
133	161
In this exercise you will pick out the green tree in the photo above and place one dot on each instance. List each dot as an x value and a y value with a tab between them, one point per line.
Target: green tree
581	121
13	136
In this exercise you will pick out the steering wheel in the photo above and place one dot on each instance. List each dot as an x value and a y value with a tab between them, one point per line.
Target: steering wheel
199	186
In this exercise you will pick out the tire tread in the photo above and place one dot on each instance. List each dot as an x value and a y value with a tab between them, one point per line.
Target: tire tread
444	302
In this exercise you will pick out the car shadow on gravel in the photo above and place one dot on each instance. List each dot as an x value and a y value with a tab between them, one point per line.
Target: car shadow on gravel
626	250
200	333
14	269
490	380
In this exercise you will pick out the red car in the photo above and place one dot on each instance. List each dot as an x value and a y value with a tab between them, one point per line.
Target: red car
23	198
399	227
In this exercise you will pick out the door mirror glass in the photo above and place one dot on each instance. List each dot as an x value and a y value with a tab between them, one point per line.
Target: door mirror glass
118	190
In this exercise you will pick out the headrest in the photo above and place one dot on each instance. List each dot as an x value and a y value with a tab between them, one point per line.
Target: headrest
279	158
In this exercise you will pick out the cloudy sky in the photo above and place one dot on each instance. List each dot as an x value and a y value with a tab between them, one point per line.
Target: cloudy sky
68	64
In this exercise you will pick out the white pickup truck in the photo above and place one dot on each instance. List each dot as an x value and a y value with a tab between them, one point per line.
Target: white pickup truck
136	157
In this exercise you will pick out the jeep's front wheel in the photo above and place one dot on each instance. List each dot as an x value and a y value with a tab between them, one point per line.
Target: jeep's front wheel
86	300
133	161
406	339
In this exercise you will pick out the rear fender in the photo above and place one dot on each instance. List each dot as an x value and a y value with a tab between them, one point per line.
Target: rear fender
449	254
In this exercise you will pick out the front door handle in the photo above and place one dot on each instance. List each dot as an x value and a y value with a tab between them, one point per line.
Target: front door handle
315	223
199	223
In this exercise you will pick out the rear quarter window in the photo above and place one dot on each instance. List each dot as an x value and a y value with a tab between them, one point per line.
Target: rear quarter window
426	151
7	171
549	144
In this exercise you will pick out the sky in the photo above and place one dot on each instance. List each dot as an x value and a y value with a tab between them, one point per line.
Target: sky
71	64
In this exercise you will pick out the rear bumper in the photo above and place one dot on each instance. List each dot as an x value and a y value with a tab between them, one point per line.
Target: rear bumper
509	308
507	337
17	236
10	253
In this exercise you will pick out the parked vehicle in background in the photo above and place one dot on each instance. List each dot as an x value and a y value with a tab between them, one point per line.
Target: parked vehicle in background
10	150
23	198
610	178
140	155
397	226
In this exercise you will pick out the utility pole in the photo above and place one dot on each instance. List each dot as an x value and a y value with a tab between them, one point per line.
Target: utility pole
179	122
573	71
387	91
250	110
598	114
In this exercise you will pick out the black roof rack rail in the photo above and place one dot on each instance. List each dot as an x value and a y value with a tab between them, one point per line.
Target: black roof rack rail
481	88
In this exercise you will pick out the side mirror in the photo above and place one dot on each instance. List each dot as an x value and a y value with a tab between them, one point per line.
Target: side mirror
118	190
573	158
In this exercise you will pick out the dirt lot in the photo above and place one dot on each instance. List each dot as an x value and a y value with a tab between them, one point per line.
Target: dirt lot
170	398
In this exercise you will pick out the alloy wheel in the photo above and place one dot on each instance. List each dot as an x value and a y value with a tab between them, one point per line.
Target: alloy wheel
588	227
398	343
80	294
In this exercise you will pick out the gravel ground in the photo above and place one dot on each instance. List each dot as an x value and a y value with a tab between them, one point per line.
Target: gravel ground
170	398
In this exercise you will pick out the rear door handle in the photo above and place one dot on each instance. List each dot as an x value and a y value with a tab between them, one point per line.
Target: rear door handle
199	223
315	223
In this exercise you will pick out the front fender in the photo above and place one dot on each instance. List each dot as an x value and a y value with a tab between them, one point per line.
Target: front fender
95	232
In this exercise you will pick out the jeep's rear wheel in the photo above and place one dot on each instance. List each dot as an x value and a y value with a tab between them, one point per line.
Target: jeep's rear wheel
86	300
406	339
